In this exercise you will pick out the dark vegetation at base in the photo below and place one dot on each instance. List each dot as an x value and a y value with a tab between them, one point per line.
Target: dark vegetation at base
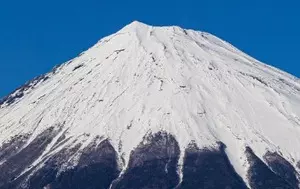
93	176
153	165
14	165
209	169
261	177
49	171
12	147
97	168
282	168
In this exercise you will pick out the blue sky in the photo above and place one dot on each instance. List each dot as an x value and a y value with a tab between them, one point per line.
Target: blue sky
36	35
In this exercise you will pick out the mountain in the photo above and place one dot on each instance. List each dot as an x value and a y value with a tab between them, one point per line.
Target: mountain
153	107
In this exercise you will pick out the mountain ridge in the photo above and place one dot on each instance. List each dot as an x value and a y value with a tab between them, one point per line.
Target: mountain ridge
145	80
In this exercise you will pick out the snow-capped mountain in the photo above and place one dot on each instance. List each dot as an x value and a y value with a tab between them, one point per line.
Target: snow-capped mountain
153	107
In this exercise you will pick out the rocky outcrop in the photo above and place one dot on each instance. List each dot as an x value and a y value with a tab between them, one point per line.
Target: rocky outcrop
261	176
209	169
152	165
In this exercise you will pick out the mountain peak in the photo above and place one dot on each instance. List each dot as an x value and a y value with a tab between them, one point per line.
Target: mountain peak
172	88
134	26
136	22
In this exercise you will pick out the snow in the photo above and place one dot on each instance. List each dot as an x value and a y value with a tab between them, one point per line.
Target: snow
146	79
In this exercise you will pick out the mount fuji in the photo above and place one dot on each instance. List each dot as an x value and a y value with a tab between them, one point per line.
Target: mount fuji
153	108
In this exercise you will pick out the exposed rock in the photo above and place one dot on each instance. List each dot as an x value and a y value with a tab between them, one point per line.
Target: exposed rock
261	176
152	165
96	169
17	163
282	168
209	169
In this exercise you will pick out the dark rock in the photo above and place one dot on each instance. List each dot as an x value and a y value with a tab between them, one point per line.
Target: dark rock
47	174
152	165
96	169
17	163
261	177
12	147
120	50
282	168
19	92
77	67
209	169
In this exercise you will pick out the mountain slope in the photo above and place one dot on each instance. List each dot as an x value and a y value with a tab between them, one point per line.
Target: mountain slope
152	97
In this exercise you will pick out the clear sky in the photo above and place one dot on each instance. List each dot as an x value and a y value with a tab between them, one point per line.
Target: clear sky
35	35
